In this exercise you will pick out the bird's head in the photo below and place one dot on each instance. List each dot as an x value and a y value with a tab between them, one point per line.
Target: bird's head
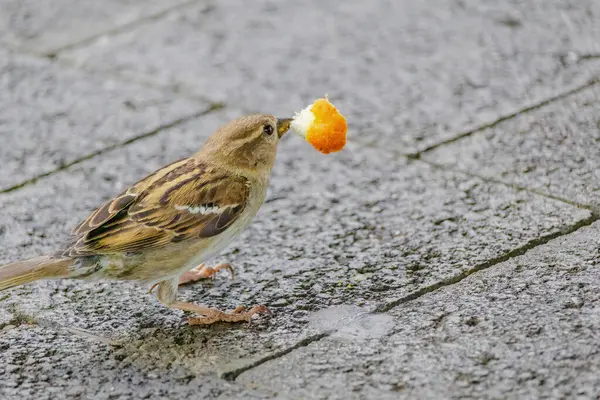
247	143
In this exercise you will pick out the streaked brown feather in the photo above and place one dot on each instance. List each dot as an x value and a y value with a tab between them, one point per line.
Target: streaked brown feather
146	215
108	210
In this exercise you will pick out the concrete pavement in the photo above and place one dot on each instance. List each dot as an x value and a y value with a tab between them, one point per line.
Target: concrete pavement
451	250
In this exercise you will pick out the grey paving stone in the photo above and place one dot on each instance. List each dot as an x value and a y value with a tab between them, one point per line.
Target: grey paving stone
555	149
46	363
527	328
50	116
44	26
407	73
339	235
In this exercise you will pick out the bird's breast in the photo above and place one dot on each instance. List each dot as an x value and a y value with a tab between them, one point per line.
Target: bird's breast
214	245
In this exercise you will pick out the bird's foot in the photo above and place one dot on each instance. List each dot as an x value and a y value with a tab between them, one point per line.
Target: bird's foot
203	271
212	315
240	314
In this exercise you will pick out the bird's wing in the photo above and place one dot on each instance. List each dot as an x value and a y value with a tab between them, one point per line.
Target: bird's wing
184	200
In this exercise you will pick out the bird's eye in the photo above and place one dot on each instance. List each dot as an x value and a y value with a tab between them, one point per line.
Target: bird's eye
268	130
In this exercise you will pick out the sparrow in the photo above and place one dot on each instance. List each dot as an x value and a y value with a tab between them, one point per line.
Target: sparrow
162	229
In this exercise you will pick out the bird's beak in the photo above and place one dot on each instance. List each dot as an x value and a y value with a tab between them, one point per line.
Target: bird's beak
283	125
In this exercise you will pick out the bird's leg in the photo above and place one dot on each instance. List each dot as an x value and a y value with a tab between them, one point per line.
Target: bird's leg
203	271
167	295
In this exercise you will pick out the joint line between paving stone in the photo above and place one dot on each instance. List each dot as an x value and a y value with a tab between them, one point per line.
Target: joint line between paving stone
386	307
213	107
176	90
233	374
519	251
65	63
118	29
593	209
507	117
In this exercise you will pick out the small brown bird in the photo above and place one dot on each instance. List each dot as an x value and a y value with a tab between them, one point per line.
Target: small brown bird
172	220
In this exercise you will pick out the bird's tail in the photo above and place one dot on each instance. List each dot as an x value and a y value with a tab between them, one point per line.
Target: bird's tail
26	271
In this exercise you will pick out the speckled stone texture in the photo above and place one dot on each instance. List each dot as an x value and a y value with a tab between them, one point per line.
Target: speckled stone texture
51	116
449	251
527	328
414	72
555	150
46	27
